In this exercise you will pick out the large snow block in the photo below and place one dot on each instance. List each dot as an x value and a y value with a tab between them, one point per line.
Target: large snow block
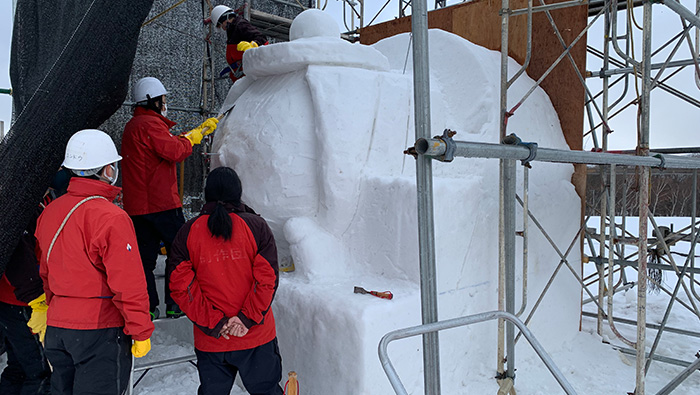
326	331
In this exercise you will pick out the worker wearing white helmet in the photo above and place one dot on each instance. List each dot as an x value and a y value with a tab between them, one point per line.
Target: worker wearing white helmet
241	36
94	286
151	196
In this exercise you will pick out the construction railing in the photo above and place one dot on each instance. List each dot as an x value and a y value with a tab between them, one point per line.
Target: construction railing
458	322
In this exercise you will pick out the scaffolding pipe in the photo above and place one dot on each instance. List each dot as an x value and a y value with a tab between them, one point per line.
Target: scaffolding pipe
693	235
525	234
682	11
463	321
630	70
436	147
424	184
528	52
680	378
503	119
643	150
677	331
611	242
548	7
614	37
509	182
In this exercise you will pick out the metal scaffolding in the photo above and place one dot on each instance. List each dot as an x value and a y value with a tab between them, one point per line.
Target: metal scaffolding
606	247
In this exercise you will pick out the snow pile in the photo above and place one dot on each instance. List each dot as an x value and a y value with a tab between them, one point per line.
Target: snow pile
317	135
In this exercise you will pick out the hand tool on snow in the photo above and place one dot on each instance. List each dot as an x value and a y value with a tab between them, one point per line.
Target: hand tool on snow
383	295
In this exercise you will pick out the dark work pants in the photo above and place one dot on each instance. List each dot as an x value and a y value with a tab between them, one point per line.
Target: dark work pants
151	229
95	361
260	369
27	371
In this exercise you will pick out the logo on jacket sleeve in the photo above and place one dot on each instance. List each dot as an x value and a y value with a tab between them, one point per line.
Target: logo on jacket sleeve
128	247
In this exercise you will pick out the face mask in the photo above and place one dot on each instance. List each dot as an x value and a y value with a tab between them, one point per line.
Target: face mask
164	110
115	177
115	174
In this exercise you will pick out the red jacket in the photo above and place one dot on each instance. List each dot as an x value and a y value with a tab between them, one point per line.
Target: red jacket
150	154
94	278
216	279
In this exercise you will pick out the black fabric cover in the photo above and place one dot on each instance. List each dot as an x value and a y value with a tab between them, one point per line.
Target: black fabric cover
69	67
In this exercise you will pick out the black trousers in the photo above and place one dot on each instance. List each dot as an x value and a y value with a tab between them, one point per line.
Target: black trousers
260	369
27	371
95	362
151	229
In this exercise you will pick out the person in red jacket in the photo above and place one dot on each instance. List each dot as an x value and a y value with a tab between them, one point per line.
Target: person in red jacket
151	197
241	36
225	279
94	286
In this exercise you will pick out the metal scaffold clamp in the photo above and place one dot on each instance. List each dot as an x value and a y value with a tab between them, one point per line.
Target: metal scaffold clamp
450	146
662	165
513	139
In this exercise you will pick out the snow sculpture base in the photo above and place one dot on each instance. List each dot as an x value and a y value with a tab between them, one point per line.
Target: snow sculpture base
336	333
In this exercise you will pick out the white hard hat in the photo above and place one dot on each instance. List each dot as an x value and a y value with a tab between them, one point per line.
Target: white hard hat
147	88
90	149
217	12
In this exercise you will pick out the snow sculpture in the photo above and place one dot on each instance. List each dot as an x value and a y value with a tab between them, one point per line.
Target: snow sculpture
317	135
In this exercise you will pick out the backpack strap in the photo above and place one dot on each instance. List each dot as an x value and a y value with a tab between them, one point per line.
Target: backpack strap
60	228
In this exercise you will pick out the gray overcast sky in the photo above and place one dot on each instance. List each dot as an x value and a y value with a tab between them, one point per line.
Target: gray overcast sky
672	120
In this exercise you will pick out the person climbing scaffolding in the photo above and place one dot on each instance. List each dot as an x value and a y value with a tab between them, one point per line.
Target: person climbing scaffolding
241	36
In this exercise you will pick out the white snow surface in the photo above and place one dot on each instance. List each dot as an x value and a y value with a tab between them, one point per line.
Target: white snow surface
317	135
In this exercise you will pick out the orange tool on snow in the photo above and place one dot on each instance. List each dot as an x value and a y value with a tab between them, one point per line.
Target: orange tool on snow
383	295
292	385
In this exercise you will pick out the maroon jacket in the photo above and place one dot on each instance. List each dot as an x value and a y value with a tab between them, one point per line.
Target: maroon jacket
213	279
241	30
94	278
150	155
21	283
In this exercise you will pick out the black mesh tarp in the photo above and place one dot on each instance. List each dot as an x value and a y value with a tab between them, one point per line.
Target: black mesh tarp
69	67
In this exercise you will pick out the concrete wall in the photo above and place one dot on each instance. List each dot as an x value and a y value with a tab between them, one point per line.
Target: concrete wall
173	48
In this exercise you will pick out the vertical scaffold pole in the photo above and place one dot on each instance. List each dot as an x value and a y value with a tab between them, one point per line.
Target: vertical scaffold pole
505	18
509	178
643	150
424	181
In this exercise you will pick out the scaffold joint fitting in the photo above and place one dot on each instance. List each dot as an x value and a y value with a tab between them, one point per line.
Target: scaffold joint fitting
450	146
662	165
513	139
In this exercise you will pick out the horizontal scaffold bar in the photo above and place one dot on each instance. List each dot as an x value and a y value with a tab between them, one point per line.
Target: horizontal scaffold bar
598	260
649	325
437	147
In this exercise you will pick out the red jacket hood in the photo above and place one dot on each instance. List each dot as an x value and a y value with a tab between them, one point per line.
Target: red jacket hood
148	112
85	187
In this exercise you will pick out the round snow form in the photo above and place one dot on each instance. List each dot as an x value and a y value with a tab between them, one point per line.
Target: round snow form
313	23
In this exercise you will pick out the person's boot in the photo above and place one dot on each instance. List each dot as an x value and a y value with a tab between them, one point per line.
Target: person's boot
173	311
155	314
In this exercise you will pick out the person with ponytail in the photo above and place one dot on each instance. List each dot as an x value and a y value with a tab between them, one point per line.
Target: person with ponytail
224	276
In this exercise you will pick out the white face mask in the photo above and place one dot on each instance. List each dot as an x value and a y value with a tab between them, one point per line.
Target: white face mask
115	174
164	110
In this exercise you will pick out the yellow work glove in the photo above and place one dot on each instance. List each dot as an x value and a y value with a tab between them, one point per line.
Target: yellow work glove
141	347
209	126
195	135
37	322
246	45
